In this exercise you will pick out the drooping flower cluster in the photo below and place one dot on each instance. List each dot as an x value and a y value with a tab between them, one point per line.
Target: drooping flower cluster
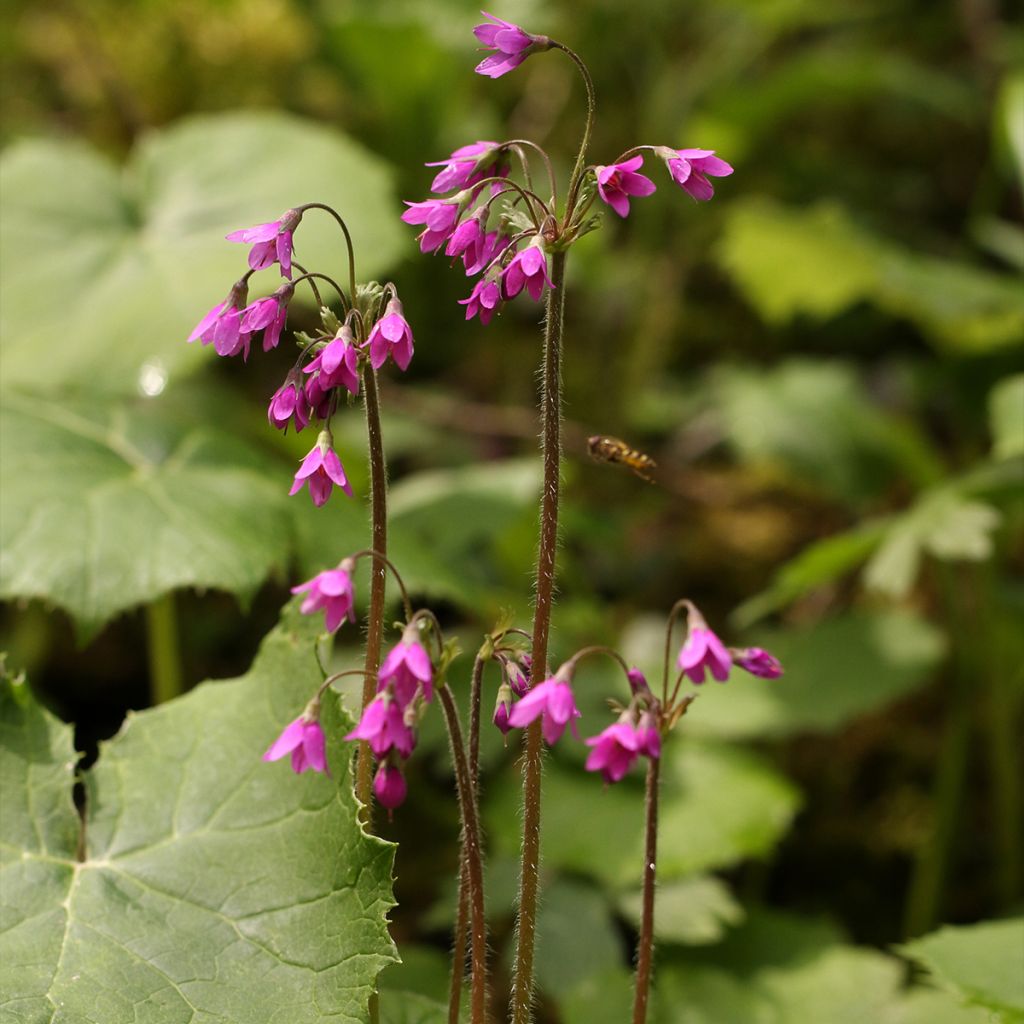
641	724
405	685
504	231
329	365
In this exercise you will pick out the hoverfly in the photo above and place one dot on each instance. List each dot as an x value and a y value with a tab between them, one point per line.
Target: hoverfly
613	449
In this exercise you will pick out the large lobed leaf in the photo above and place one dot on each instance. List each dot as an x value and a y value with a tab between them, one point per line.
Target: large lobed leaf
982	963
106	270
212	886
108	509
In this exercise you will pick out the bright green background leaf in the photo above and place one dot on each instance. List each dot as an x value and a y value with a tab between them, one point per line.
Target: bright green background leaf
94	255
214	886
104	508
982	963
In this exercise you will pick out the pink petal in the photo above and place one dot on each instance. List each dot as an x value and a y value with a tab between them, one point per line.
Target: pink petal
289	739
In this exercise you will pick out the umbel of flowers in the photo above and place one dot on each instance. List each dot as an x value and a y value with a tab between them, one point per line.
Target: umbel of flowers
330	364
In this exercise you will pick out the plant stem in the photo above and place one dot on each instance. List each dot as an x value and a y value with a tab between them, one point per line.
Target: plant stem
551	418
475	697
581	156
378	578
162	641
472	858
645	942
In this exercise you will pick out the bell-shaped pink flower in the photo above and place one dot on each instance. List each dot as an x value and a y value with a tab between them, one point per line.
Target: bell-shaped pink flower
271	242
757	661
511	46
332	591
391	336
690	169
529	269
487	250
615	750
288	405
703	651
304	740
484	299
502	708
223	325
383	726
337	364
323	469
466	166
551	701
407	668
617	182
319	396
438	216
389	786
269	315
468	236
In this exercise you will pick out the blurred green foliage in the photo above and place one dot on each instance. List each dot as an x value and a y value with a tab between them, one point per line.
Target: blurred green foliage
824	361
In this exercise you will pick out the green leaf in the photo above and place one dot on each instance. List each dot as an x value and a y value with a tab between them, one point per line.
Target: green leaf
834	671
719	805
105	509
822	562
576	937
107	270
816	262
411	1008
854	449
923	1006
1006	417
692	911
213	886
981	963
945	523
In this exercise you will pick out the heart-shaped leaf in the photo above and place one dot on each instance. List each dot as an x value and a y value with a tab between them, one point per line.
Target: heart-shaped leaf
203	884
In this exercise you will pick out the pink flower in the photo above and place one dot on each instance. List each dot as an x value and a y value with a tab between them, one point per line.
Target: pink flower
323	469
552	701
617	182
383	726
529	268
703	650
690	168
615	750
389	786
271	243
489	247
319	396
223	325
391	336
337	364
289	404
502	707
517	673
758	662
466	166
511	46
637	681
438	217
269	315
468	237
331	590
304	740
484	299
407	668
650	737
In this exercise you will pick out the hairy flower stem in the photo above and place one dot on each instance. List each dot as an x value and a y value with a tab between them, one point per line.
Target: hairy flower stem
581	157
472	859
378	578
462	906
551	419
645	942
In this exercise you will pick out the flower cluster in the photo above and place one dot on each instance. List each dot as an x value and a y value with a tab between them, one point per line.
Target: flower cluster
405	685
642	723
502	231
329	366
